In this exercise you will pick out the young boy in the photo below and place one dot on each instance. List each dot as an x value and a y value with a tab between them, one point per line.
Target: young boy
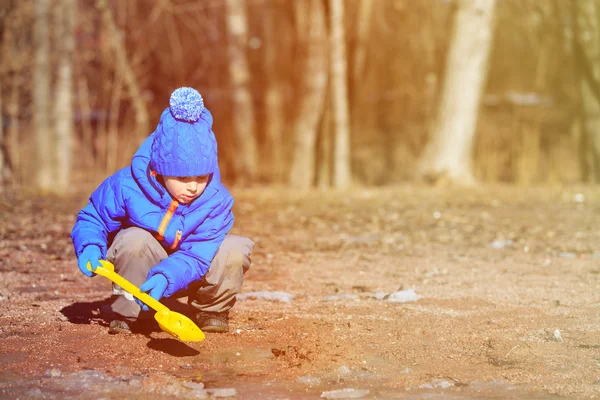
164	221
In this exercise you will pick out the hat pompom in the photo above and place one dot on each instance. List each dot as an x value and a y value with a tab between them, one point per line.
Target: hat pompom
186	104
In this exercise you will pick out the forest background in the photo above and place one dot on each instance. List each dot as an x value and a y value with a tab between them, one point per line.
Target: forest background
307	92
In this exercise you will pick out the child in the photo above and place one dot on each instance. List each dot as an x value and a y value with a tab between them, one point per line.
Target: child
164	221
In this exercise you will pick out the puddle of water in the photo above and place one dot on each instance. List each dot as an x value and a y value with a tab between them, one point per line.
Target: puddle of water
12	358
236	355
90	384
8	377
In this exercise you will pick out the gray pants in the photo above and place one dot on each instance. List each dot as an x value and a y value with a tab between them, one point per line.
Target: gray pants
134	251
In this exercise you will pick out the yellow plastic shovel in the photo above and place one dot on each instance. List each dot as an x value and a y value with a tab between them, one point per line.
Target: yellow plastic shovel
169	321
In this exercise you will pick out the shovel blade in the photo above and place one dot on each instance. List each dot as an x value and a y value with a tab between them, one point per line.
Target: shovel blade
179	326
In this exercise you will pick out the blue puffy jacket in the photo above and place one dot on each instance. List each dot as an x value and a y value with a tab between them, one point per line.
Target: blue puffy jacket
191	233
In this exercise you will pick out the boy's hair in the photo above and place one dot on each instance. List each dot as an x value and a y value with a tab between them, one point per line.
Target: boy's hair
184	144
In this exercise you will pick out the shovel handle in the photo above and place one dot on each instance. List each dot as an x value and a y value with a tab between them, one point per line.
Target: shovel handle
107	270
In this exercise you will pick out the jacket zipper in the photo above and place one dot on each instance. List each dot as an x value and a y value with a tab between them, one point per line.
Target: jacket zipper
166	219
177	239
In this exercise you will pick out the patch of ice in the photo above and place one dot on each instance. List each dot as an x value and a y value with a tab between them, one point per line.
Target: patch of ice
379	295
437	384
193	385
343	370
567	254
501	244
53	373
268	296
403	296
309	380
347	393
494	385
341	297
222	392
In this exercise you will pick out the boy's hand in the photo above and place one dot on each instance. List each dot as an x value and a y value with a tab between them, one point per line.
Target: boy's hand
92	255
155	287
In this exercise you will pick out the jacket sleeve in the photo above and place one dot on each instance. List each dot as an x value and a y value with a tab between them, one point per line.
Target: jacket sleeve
191	262
101	216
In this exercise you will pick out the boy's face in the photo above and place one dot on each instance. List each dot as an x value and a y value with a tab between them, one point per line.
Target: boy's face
185	189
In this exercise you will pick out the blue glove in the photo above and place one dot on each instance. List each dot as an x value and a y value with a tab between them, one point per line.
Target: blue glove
155	287
92	255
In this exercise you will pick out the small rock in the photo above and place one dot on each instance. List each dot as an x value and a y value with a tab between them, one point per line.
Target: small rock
3	298
347	393
186	366
556	336
579	198
278	352
226	392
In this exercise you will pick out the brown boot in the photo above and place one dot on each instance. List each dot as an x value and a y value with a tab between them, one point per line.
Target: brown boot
213	322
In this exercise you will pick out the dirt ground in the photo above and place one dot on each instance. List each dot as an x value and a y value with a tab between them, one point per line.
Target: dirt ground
509	307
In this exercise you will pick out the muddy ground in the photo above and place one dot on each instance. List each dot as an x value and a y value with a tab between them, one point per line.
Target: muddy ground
509	307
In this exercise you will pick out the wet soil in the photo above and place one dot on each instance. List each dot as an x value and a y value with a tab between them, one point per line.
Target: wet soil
509	307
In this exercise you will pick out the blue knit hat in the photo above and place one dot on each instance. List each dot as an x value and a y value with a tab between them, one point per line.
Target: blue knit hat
184	143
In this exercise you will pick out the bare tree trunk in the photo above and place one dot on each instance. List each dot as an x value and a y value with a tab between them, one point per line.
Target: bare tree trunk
41	97
63	106
274	113
586	40
4	167
325	149
124	68
590	134
112	130
245	160
13	129
448	155
313	87
87	143
342	174
362	38
358	66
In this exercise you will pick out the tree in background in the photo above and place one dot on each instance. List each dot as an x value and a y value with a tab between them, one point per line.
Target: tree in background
273	103
342	173
125	72
245	160
586	43
313	88
63	104
448	154
41	97
4	167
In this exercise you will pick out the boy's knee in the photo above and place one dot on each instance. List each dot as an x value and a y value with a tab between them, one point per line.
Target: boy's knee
238	244
237	249
134	242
